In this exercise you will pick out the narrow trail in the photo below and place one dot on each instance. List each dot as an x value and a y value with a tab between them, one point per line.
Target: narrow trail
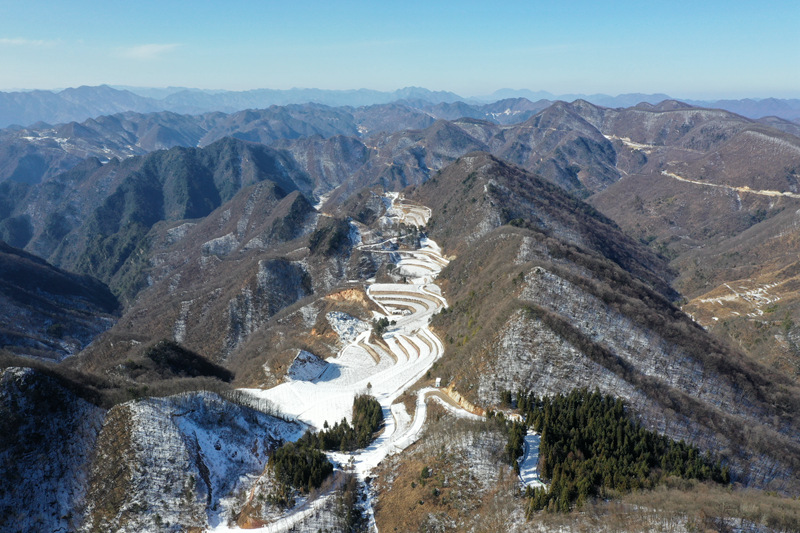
363	366
731	187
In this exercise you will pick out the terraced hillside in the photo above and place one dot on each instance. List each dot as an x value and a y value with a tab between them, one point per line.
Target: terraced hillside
293	273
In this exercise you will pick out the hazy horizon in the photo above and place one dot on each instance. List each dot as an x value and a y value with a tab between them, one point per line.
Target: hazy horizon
485	97
684	49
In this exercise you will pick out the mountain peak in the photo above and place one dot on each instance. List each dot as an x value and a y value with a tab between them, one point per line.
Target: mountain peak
671	105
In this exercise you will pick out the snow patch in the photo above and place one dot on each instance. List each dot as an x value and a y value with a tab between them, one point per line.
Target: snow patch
307	366
179	331
347	327
179	232
529	462
221	246
355	234
309	314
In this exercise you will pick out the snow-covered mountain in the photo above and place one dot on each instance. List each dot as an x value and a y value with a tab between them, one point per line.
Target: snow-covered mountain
269	278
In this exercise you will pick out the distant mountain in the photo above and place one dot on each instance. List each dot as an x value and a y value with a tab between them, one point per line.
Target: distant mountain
25	108
555	142
291	121
30	155
78	104
157	93
621	100
756	108
506	111
748	107
194	101
503	94
788	126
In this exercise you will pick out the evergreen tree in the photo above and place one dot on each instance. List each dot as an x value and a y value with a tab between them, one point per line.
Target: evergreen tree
588	446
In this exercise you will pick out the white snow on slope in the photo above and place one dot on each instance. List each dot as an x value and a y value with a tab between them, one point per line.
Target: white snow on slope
306	366
414	348
529	462
202	445
347	327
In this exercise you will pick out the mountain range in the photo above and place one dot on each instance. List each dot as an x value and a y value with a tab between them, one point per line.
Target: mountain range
648	252
672	175
653	169
27	108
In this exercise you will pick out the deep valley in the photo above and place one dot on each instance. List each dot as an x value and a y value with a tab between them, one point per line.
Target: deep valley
419	314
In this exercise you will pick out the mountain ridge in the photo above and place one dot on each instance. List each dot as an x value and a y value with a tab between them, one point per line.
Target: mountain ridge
531	300
50	313
235	256
76	104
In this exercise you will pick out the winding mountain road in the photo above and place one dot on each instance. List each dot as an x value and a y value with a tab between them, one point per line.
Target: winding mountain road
732	188
364	365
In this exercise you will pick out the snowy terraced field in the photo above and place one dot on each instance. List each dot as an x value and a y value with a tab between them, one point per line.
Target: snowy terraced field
363	366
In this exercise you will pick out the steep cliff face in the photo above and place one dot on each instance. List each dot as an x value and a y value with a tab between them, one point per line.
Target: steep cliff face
47	438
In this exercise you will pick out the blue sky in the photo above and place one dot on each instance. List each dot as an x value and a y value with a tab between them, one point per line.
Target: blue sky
685	49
